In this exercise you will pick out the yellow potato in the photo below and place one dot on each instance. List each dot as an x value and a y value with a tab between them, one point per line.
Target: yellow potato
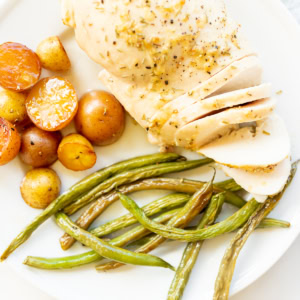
12	106
40	187
53	55
76	153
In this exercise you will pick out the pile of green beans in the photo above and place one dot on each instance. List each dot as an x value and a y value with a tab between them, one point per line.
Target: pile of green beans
171	217
173	184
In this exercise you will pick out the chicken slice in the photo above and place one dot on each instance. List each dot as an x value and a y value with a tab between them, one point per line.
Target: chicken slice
261	183
143	103
200	132
267	146
233	75
210	105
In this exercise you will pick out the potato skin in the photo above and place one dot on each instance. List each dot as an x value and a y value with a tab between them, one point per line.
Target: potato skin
100	118
39	147
53	55
10	141
76	153
40	187
12	106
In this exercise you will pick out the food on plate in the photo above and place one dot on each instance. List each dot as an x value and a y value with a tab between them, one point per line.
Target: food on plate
39	147
12	106
100	118
10	141
194	82
20	67
106	249
52	103
186	73
53	55
76	153
40	187
82	187
186	186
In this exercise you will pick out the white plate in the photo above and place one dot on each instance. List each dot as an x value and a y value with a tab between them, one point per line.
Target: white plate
277	38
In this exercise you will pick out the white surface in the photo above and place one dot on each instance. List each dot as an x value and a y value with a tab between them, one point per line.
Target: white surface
276	24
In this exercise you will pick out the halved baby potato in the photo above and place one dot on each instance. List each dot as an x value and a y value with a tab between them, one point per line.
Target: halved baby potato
20	67
12	106
40	187
53	55
10	141
76	153
52	103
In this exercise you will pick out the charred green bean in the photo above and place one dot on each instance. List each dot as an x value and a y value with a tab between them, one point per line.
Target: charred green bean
230	224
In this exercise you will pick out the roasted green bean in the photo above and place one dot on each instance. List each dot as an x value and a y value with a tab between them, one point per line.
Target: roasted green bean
165	203
132	176
91	256
192	250
106	249
223	281
230	224
174	184
82	187
196	204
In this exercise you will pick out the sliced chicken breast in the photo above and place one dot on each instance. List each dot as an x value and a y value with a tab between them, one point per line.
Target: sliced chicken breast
261	183
199	133
245	148
210	105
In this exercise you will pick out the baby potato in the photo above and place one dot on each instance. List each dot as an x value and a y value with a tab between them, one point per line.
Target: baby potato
12	106
39	147
40	187
53	55
100	118
76	153
10	141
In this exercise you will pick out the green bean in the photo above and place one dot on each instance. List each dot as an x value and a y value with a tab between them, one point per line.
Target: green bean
106	249
174	184
196	204
132	176
165	203
273	223
223	281
230	224
73	261
82	187
192	250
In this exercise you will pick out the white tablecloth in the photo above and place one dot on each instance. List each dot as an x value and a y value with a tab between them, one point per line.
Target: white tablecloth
280	283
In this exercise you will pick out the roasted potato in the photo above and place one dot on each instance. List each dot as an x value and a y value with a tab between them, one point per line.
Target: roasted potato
100	118
20	67
10	141
53	55
39	147
52	103
12	106
40	187
76	153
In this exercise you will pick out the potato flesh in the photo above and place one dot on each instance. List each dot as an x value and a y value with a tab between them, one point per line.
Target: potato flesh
10	142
